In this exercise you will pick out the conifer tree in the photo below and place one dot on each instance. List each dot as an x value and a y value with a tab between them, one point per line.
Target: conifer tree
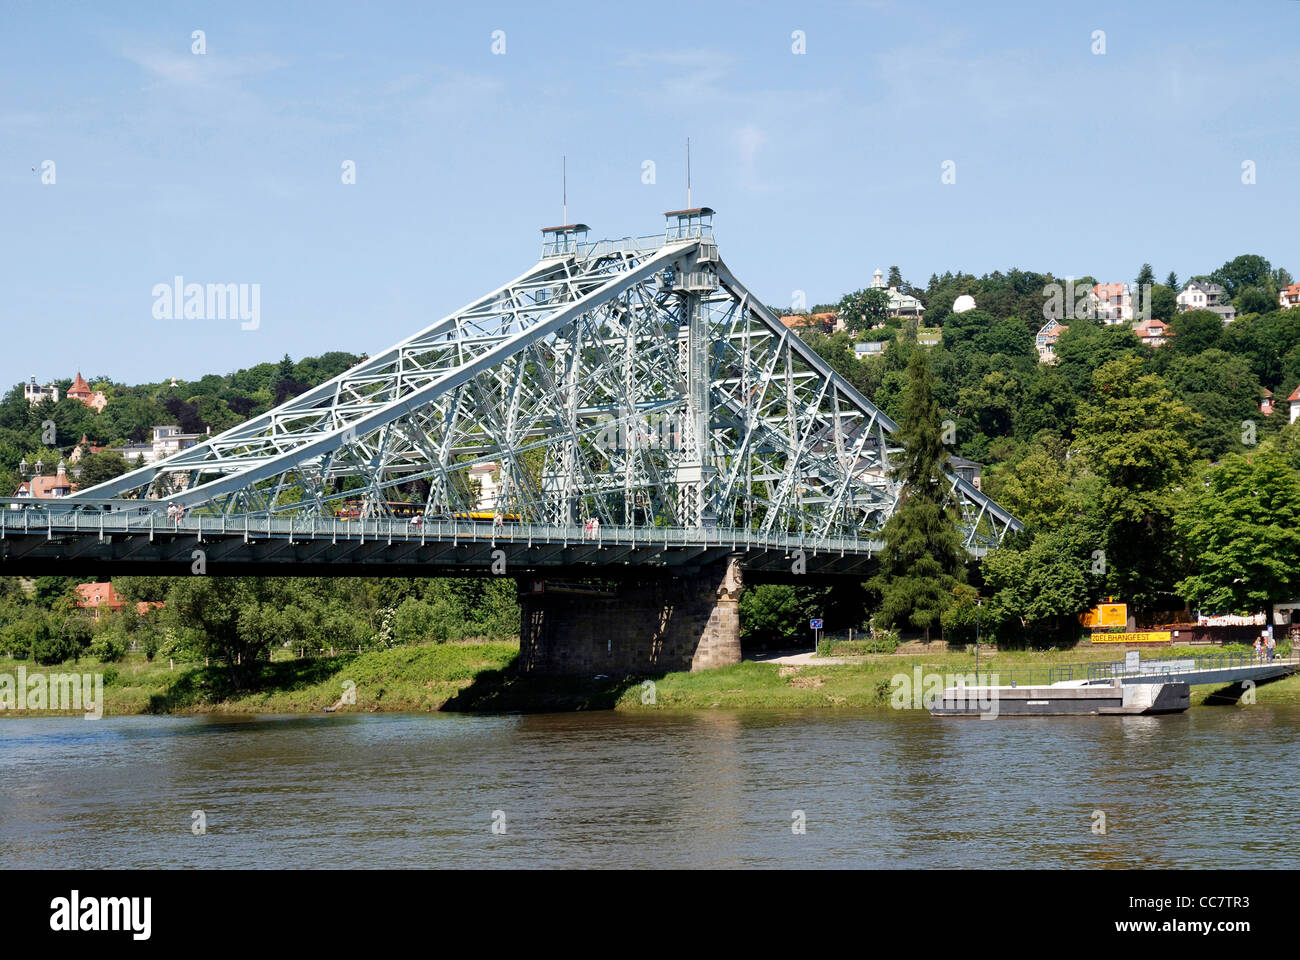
923	557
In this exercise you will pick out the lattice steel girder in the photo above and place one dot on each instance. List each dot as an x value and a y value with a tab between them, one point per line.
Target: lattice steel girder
640	384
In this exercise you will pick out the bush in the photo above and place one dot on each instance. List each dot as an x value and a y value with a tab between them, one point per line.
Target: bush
416	622
108	647
49	648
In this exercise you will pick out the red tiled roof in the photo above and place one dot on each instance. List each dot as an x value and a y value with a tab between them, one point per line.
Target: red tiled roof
79	388
809	319
43	487
1295	395
98	595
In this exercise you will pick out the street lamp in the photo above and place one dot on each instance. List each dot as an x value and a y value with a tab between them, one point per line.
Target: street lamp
979	602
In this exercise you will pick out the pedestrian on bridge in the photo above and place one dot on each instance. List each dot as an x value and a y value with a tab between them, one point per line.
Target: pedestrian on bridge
1259	646
1272	648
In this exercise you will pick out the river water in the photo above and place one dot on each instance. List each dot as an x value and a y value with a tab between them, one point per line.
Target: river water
1215	787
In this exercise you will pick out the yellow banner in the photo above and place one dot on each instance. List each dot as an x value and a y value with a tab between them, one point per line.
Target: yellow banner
1159	637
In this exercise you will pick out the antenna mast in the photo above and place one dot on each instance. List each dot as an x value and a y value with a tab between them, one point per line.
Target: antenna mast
564	181
688	173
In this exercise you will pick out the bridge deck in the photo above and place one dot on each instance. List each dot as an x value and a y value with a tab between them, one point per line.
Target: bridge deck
47	541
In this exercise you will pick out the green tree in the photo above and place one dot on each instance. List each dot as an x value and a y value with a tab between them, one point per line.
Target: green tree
1224	391
923	557
1044	489
1241	532
862	309
1145	275
1171	281
1248	270
234	619
101	467
1196	330
1133	433
1037	591
770	614
1255	300
1164	302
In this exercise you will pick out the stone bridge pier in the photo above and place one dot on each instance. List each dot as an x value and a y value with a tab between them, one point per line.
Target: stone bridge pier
691	622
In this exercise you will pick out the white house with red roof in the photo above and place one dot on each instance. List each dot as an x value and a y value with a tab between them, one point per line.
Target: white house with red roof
1289	297
1113	302
1294	400
1153	332
46	488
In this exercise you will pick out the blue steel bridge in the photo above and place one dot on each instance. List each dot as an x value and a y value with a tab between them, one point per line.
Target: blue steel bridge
634	381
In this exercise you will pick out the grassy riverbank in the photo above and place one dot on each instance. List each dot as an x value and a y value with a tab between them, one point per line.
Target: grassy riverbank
478	677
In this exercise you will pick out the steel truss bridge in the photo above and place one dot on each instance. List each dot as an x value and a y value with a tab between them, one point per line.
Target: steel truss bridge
634	381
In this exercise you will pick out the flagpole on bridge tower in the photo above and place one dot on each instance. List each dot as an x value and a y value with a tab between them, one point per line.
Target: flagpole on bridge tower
688	173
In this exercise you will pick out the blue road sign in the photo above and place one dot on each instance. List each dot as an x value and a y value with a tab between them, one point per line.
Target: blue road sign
815	624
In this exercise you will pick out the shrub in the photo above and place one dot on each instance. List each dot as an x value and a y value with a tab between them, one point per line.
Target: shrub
108	647
49	648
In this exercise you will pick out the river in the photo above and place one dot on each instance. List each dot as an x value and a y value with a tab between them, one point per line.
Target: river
1215	787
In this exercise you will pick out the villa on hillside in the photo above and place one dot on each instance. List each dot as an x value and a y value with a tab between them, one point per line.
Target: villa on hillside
1153	332
34	394
43	487
1112	302
167	439
1289	297
1045	342
900	304
84	448
80	390
1204	295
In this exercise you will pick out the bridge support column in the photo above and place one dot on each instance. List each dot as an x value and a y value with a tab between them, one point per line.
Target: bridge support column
686	623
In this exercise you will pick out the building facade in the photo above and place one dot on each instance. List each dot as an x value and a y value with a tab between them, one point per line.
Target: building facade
80	390
1204	295
34	393
1045	342
1112	302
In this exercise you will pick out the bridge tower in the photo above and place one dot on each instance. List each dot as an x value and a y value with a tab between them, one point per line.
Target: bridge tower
696	471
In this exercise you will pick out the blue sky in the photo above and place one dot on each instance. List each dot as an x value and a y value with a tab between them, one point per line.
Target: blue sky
226	167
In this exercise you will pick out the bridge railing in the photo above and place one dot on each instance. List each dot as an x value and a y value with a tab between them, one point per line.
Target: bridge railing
148	520
1102	670
1157	666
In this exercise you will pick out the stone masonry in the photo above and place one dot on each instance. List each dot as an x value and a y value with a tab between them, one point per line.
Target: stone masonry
686	623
